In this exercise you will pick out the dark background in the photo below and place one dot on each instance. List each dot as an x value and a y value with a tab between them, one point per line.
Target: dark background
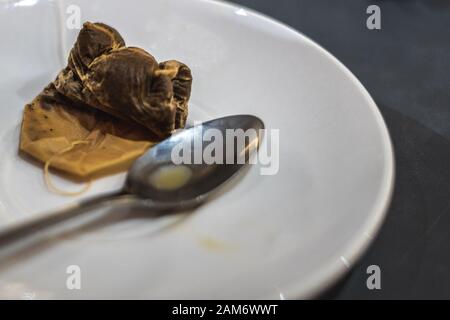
406	68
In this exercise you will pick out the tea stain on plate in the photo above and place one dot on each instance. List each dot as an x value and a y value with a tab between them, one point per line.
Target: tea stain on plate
215	245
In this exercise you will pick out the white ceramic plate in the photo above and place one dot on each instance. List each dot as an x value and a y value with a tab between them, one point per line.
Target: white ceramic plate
287	235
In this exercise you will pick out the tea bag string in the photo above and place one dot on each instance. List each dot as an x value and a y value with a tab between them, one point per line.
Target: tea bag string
48	180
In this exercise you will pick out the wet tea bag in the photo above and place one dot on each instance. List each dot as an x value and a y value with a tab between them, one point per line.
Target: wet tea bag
106	108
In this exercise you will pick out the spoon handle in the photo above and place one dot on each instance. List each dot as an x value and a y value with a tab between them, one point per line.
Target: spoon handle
22	229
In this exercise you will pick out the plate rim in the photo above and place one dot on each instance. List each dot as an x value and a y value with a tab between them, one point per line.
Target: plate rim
328	276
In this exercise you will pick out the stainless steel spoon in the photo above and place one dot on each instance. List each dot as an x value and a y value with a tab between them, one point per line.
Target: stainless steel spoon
156	183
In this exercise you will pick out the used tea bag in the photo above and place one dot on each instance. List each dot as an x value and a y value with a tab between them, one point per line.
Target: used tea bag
106	108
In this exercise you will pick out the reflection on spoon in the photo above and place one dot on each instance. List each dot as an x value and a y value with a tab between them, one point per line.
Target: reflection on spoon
170	177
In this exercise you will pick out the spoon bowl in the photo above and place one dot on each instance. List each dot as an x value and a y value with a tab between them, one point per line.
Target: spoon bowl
160	177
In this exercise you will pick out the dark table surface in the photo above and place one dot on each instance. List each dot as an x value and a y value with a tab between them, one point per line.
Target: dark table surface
406	68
